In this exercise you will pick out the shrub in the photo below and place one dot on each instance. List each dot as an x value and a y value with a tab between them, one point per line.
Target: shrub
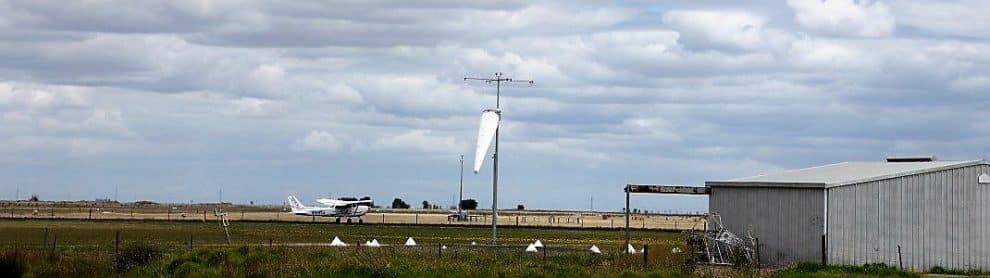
134	255
11	265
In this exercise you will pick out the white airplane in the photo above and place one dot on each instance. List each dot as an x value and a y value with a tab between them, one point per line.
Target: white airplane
334	208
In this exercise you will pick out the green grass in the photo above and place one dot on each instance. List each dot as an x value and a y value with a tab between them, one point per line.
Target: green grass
158	249
867	270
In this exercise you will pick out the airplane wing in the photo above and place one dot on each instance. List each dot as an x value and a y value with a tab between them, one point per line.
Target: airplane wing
339	203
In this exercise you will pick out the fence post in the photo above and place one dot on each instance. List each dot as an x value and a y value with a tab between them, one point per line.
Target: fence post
90	213
383	218
269	243
899	261
116	242
544	253
517	220
646	256
439	250
757	252
204	216
417	218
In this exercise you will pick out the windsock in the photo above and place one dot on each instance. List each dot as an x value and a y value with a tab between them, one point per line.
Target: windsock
486	133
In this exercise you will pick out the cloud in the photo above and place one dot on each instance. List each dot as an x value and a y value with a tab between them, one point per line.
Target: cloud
844	17
964	18
418	141
705	29
317	141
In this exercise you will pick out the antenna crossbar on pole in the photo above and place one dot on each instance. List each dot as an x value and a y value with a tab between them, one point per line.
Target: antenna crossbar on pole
498	79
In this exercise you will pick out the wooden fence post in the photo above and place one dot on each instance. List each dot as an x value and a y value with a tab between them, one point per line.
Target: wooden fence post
116	242
646	256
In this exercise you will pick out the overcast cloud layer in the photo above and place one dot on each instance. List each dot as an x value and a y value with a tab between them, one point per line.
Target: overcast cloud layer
173	100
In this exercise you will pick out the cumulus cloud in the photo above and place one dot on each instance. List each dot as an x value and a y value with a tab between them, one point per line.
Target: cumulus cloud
965	18
844	17
706	29
317	141
418	141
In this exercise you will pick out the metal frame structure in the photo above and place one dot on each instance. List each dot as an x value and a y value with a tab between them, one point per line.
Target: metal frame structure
498	79
659	189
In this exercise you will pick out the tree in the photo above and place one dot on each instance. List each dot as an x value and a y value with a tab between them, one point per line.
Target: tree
34	198
469	204
399	204
426	205
520	207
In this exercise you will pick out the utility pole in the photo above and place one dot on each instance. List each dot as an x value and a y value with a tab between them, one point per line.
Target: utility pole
460	199
497	79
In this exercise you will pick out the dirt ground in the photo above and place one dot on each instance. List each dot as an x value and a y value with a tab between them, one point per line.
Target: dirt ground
435	217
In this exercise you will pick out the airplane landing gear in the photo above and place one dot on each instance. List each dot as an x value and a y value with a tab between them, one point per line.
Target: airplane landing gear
337	221
360	220
348	221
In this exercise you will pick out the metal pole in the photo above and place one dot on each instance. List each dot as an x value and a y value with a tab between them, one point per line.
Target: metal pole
627	216
460	199
498	89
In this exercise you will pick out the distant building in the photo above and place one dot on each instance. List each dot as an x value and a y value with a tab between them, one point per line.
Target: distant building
938	212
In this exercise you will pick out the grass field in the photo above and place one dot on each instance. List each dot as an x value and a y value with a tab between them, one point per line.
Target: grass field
79	248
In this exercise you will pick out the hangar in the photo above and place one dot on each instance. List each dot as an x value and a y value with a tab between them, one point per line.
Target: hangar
916	212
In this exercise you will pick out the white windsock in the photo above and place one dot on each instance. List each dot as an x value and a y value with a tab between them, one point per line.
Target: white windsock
531	248
486	133
538	244
630	249
337	242
594	250
410	242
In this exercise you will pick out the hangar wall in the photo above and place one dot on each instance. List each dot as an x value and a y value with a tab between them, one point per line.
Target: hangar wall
788	221
939	218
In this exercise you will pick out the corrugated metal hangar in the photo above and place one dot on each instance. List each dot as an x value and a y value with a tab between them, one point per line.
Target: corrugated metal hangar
912	211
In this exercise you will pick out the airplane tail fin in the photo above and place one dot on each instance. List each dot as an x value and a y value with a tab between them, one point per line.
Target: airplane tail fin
296	205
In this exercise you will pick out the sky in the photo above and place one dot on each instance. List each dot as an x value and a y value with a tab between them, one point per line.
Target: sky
177	100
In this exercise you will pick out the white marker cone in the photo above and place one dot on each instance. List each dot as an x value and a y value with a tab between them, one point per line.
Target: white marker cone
630	249
375	242
443	247
410	242
474	243
337	242
594	250
531	248
538	244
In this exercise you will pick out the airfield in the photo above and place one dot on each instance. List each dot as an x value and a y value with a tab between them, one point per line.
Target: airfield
245	213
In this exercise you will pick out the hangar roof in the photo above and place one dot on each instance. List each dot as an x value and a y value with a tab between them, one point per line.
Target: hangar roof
844	173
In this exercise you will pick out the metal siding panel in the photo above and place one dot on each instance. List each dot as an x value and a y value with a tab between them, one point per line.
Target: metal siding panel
787	221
